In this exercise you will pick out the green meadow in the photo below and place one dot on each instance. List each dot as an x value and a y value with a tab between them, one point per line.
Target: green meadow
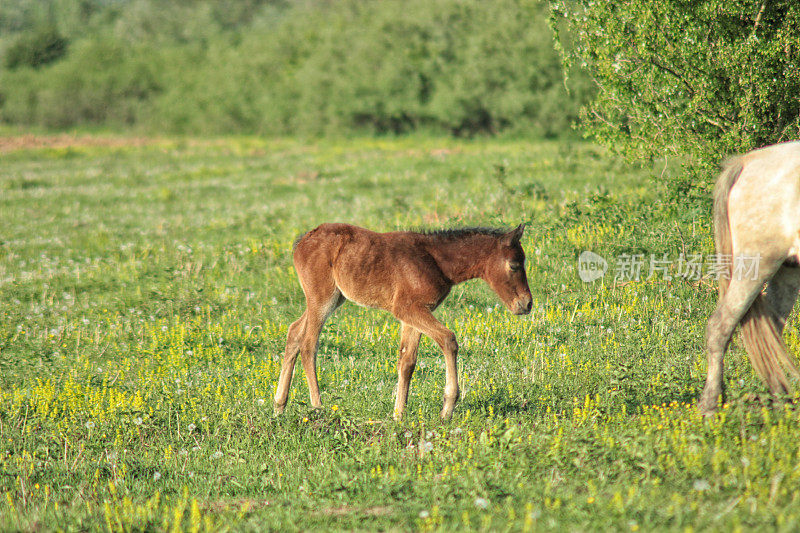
146	287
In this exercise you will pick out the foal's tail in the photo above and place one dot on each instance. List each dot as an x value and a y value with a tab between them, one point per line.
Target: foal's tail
297	240
760	331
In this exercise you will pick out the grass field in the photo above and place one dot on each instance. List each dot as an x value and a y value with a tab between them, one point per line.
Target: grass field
146	286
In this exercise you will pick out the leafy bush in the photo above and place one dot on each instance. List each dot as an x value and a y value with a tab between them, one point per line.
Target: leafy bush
693	79
36	49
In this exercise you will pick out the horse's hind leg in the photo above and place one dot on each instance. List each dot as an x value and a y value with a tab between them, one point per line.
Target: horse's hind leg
721	325
782	292
409	342
293	338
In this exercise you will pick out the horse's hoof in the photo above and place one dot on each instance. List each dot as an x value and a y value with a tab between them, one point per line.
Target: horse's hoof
705	412
707	406
277	410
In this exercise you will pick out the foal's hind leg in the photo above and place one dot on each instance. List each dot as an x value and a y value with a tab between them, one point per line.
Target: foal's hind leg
729	312
316	315
293	338
409	342
322	299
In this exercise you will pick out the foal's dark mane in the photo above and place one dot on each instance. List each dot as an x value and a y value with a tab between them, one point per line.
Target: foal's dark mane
444	234
460	233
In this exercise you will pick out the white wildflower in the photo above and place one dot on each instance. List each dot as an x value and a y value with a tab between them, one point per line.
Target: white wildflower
481	503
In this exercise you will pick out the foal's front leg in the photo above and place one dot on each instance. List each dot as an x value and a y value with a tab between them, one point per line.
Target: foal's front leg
423	320
409	342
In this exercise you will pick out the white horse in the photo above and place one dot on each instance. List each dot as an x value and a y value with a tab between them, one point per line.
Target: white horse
756	215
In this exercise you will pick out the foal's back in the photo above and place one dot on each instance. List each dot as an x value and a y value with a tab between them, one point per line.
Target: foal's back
370	268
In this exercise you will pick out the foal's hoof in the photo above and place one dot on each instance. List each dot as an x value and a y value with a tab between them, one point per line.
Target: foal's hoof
446	415
277	410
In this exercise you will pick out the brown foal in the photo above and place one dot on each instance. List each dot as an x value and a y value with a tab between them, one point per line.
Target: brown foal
406	273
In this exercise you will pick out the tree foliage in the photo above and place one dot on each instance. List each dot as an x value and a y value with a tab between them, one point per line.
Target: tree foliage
694	78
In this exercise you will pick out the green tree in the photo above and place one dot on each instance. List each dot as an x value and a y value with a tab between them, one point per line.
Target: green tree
697	79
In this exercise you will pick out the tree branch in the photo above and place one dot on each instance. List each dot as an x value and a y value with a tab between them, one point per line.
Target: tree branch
758	17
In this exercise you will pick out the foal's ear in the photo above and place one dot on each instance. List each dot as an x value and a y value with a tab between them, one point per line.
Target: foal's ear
514	236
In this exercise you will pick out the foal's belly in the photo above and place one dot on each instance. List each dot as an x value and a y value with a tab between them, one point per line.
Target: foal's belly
365	294
358	299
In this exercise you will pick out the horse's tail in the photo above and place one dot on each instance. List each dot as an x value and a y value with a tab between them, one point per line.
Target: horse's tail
765	346
760	331
732	168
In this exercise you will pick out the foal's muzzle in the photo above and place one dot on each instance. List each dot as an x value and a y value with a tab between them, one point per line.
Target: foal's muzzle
522	306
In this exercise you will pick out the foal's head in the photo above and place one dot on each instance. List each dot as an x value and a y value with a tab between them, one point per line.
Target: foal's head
505	272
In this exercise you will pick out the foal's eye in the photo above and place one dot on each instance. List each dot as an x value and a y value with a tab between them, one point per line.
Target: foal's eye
515	267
